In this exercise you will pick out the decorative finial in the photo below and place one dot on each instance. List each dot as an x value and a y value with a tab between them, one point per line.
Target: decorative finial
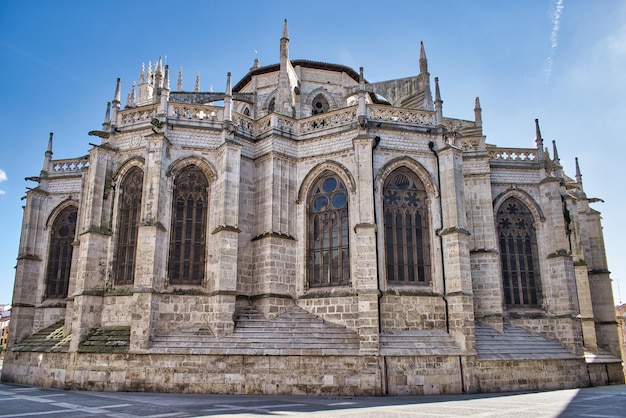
49	150
438	103
556	158
107	116
117	98
478	113
197	86
539	142
579	177
179	84
142	75
256	60
362	109
229	90
423	60
285	30
166	78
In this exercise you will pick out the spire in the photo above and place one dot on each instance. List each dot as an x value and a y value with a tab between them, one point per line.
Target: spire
197	86
423	81
555	153
179	84
228	99
256	60
142	75
48	155
539	142
117	98
158	74
133	95
362	110
423	60
438	103
107	117
284	43
285	30
478	113
166	78
579	177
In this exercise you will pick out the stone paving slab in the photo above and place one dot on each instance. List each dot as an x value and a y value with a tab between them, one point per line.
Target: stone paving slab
29	401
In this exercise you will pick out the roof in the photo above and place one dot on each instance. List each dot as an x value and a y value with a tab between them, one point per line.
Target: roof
302	63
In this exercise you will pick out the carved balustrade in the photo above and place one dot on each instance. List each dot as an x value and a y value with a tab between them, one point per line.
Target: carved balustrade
195	112
138	114
69	166
513	154
394	114
328	120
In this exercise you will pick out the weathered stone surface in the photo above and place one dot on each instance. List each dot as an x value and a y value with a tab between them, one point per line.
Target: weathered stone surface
265	278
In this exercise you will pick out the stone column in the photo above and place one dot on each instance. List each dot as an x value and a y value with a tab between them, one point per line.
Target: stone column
225	238
455	242
152	239
485	270
366	265
274	242
558	280
600	288
92	236
30	269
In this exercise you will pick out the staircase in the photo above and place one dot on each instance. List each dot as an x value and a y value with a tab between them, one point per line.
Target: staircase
294	332
418	343
516	343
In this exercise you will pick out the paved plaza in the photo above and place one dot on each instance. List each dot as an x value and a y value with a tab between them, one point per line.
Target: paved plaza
28	401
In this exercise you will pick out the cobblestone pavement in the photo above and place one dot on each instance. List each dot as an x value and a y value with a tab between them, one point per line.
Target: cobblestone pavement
28	401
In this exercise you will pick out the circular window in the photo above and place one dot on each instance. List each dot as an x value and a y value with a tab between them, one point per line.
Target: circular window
321	203
339	200
329	185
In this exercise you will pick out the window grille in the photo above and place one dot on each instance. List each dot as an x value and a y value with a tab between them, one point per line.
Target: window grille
407	242
328	261
518	254
189	223
60	253
129	213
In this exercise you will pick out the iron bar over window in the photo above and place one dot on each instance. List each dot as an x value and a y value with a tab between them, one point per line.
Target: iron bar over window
518	254
129	212
407	243
328	261
60	253
189	222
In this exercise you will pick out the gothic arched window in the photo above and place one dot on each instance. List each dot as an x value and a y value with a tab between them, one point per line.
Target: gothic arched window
271	105
407	242
320	104
129	212
328	261
518	254
189	223
62	235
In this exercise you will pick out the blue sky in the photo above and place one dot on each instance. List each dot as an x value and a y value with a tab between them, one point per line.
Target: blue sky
562	61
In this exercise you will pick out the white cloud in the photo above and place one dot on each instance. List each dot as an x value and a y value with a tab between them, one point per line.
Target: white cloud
3	177
554	35
616	42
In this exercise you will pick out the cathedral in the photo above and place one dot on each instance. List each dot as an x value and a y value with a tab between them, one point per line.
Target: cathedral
307	231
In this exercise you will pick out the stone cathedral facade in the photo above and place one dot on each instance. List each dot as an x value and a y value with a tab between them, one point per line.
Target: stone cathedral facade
308	232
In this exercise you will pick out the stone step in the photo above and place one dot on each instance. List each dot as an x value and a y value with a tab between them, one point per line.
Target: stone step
516	343
49	339
294	332
418	342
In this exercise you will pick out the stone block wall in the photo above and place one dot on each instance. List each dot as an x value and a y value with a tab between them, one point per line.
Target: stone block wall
403	312
524	375
342	310
429	375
